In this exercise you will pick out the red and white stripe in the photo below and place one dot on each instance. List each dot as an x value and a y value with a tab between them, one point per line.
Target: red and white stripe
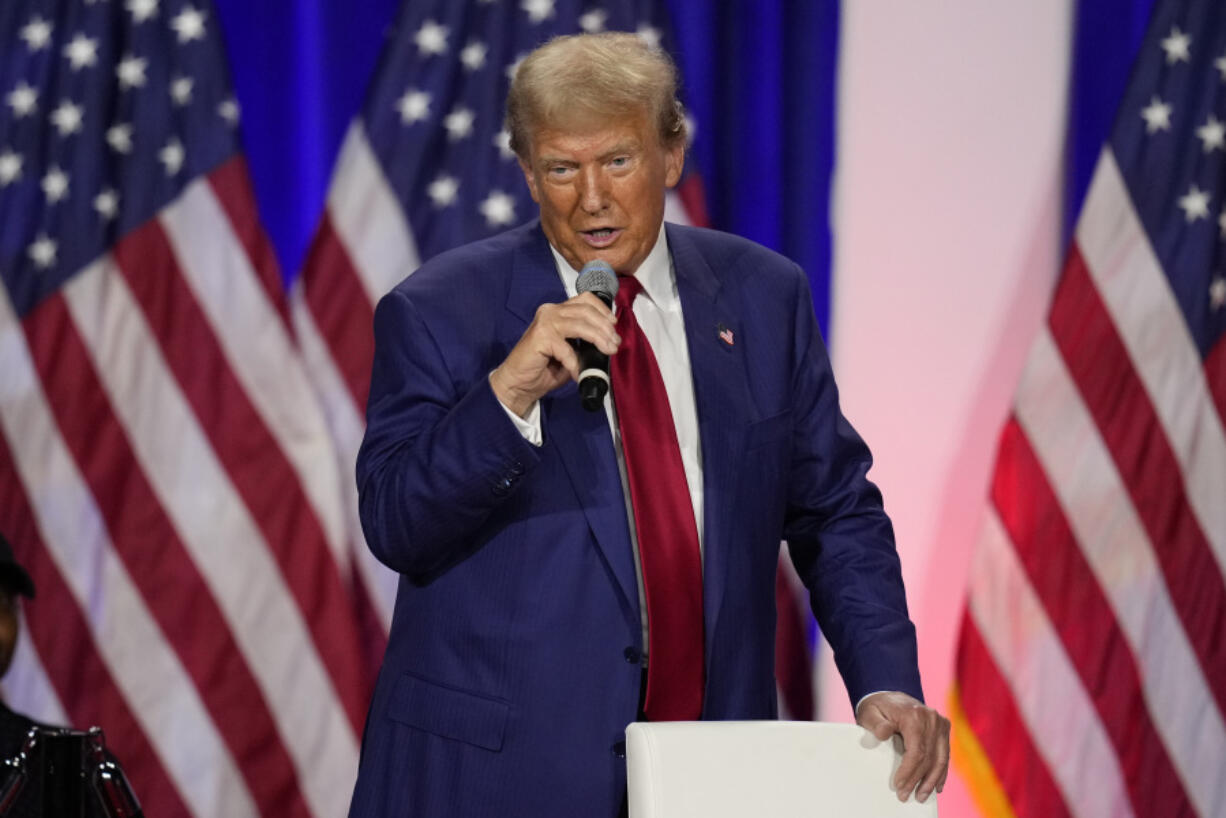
1099	588
164	451
28	675
362	248
1048	692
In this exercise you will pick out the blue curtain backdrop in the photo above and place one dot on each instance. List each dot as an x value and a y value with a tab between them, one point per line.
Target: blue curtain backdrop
300	71
1107	36
760	78
759	75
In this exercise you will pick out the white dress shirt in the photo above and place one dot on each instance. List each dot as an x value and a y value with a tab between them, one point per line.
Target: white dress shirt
658	312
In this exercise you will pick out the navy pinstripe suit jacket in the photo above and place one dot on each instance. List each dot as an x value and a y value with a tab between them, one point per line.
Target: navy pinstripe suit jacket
511	672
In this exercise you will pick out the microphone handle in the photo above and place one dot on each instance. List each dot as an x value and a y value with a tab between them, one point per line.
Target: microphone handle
594	367
593	374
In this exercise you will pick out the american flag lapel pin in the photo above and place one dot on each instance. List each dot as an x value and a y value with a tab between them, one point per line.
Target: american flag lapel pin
725	334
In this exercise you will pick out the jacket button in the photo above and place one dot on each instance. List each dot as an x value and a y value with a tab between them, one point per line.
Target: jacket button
633	655
517	468
619	749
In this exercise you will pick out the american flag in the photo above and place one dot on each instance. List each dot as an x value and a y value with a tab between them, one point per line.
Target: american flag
427	167
1091	674
166	474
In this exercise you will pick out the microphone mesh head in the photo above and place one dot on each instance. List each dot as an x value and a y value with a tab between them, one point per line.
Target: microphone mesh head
598	277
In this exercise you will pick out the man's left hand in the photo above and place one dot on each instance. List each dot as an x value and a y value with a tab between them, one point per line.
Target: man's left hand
925	740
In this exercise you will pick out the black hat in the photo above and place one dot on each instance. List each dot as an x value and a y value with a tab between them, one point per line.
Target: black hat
12	576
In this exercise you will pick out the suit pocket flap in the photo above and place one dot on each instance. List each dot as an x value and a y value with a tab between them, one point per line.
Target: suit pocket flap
767	431
448	712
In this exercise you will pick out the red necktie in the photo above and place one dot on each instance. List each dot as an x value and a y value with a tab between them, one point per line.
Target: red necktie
664	520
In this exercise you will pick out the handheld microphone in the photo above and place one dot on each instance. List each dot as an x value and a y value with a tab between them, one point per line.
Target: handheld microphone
596	277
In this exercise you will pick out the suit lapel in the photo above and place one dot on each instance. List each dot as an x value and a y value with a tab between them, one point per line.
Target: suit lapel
721	396
581	438
585	446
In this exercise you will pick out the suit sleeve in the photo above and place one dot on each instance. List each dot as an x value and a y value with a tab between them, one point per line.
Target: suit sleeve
839	537
437	459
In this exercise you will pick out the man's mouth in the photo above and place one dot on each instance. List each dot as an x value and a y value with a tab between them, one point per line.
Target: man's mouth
601	237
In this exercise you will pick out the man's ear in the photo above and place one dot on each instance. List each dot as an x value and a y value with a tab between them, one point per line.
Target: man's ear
674	161
530	178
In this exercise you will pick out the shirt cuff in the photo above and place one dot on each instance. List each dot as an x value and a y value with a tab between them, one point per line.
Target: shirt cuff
529	427
856	711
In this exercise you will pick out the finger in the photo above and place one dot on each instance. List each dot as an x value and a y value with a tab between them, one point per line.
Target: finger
581	305
944	750
933	779
606	340
908	774
583	324
871	718
564	354
883	729
585	304
589	299
916	758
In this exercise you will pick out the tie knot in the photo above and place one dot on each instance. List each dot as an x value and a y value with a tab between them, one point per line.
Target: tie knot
628	288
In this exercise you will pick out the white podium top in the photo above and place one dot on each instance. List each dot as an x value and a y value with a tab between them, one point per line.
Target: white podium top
763	769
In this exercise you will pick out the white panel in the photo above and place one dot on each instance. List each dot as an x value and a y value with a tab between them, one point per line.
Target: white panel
734	769
947	207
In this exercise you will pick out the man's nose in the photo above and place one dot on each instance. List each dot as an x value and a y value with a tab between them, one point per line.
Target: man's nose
593	190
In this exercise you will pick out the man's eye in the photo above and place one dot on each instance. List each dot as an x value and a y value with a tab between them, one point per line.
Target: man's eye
620	161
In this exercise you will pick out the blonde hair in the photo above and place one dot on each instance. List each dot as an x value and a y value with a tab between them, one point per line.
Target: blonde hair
593	76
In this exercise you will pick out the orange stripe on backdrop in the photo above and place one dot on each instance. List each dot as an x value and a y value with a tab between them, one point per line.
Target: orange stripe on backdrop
991	714
972	763
62	637
252	459
160	565
1100	365
1082	616
341	308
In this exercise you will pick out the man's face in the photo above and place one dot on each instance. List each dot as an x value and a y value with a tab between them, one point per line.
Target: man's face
601	187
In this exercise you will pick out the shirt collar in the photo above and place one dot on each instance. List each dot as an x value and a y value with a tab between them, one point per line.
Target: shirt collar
655	273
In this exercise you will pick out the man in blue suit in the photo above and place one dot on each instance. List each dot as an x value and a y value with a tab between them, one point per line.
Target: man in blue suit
525	616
